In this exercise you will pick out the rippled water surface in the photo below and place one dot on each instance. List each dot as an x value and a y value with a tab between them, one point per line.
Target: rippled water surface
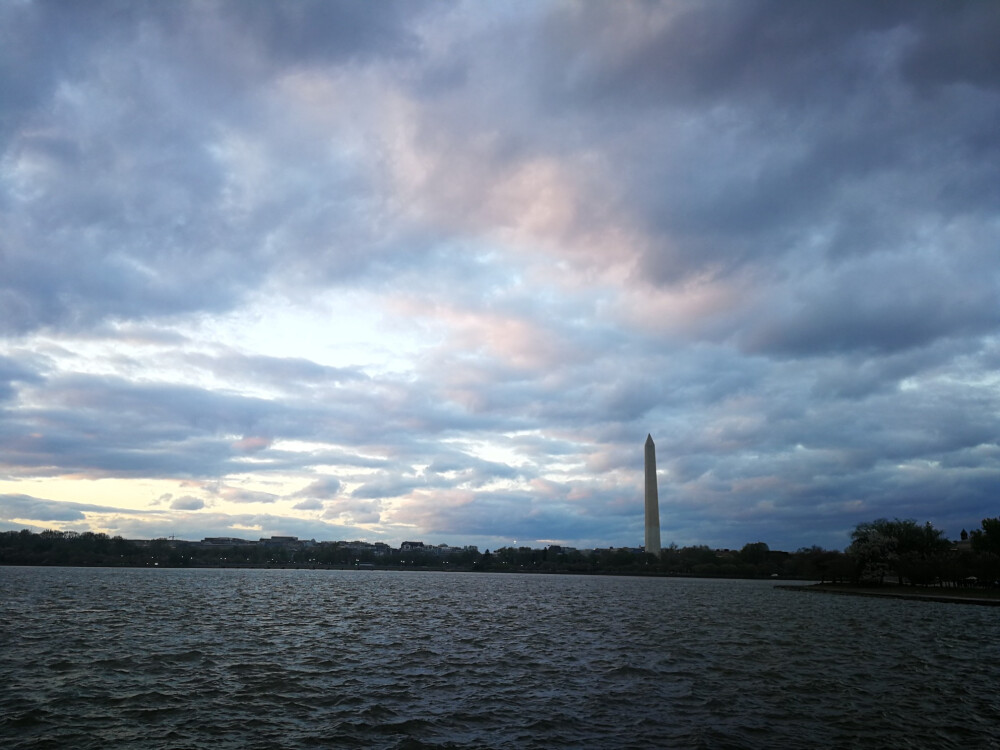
132	658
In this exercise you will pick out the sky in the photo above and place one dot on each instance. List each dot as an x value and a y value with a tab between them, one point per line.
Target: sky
433	271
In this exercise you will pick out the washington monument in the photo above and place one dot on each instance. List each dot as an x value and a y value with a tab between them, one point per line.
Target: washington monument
652	500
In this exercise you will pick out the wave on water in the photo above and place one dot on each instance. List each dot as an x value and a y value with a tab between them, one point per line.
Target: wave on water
260	659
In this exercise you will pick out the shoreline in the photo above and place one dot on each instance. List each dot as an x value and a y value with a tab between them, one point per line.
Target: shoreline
983	598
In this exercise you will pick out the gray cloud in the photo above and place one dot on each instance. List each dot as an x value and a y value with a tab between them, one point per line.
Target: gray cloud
12	372
309	504
315	492
133	524
313	31
161	232
354	510
885	306
203	523
25	506
278	371
14	507
762	231
187	503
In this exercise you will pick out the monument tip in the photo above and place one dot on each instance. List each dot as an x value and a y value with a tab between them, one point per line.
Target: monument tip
649	438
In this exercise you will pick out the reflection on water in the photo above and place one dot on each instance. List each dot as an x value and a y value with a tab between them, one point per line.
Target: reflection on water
121	658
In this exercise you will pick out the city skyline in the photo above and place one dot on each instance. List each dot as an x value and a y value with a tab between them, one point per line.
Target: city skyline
432	270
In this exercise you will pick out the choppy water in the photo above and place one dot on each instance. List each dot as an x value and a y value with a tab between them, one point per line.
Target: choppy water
132	658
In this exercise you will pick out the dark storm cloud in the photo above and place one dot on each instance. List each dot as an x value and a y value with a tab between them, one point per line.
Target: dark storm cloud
111	220
323	32
957	45
120	204
795	132
781	50
885	307
706	50
803	130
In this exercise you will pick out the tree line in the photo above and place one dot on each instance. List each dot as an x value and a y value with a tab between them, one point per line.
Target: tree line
906	553
881	551
96	549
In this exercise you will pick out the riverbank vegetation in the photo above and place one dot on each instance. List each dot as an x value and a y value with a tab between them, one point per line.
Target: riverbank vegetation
900	552
754	560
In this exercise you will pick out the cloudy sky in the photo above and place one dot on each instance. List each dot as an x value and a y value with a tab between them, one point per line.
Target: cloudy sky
393	271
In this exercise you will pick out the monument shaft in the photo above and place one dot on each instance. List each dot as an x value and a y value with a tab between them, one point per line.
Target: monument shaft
652	500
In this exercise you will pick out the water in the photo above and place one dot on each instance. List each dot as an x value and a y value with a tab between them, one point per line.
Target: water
135	658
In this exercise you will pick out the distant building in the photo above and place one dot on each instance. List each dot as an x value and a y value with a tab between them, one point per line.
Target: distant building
287	541
226	541
379	549
358	546
411	546
444	550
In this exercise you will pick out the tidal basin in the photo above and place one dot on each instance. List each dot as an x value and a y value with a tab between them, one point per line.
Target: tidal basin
139	658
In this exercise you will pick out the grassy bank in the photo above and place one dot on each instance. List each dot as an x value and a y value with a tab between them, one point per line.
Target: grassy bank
950	595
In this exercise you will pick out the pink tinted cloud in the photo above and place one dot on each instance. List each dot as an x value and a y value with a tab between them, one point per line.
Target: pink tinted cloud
252	444
425	509
515	340
354	510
